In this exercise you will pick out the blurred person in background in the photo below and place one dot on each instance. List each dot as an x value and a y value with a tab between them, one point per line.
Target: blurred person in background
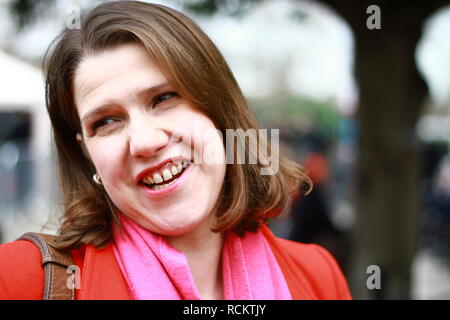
437	210
311	214
134	96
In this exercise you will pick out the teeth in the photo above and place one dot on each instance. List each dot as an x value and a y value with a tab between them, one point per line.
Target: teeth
157	178
148	180
167	175
163	186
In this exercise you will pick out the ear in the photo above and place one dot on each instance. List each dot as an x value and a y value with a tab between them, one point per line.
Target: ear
80	141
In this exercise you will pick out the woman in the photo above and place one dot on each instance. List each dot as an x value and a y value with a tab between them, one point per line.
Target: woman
136	97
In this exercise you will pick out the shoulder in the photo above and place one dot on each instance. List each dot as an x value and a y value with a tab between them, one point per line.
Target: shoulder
21	272
312	256
310	268
319	267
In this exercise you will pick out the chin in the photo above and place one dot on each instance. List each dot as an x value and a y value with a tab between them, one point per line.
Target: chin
179	228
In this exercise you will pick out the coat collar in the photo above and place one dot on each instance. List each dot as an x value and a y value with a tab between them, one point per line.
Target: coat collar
298	285
102	278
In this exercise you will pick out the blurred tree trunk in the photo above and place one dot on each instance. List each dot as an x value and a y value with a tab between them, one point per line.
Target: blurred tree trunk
387	172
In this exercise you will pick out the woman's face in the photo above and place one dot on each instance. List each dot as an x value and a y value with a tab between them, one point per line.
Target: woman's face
132	122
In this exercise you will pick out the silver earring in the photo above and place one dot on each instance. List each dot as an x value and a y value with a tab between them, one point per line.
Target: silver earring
97	179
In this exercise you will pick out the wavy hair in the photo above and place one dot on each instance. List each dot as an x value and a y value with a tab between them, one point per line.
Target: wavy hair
196	68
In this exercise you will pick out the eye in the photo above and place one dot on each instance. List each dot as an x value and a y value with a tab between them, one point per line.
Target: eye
164	97
102	122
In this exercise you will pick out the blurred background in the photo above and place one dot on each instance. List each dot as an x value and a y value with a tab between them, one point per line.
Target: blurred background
361	95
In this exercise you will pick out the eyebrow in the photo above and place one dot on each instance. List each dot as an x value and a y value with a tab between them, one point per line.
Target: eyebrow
106	105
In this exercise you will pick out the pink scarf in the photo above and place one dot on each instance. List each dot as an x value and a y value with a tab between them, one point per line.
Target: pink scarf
155	270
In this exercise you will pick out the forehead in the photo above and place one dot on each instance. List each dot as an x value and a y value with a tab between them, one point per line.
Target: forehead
114	72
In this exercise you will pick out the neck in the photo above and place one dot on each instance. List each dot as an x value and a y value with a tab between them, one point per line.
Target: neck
203	250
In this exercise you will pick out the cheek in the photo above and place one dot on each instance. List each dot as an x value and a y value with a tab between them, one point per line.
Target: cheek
212	152
205	140
107	157
213	148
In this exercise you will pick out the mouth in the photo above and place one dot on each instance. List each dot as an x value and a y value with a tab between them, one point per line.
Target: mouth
164	177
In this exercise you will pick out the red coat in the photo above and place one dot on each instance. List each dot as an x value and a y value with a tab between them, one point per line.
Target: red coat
310	271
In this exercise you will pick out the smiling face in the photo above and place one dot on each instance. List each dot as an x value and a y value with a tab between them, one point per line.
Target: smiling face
132	120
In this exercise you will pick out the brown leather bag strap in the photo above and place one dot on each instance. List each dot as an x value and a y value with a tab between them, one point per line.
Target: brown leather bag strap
55	263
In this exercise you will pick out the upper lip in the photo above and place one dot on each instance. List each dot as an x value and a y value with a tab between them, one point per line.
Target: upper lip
145	172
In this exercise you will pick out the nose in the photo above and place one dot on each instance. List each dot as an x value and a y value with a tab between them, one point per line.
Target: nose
146	138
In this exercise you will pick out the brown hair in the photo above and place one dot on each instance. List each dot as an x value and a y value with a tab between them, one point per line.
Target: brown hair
195	67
